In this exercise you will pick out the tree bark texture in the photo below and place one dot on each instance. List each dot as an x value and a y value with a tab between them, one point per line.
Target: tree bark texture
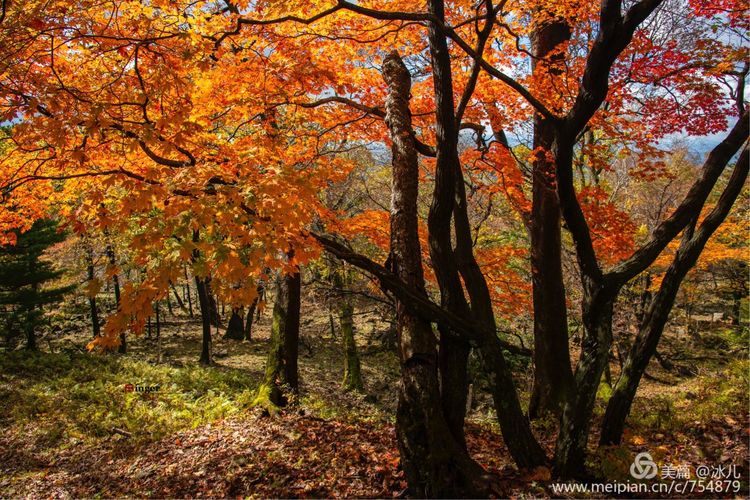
434	463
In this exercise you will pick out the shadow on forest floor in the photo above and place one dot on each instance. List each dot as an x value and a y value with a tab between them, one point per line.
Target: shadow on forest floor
70	429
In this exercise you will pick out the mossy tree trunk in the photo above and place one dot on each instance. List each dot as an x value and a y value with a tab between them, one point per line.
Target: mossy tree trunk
342	281
281	379
352	369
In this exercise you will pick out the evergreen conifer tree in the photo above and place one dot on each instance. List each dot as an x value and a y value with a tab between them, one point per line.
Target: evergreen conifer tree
22	278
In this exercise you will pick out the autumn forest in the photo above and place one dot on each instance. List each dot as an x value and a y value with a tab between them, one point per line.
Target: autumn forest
374	248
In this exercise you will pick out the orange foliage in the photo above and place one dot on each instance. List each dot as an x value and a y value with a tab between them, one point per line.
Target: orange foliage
156	119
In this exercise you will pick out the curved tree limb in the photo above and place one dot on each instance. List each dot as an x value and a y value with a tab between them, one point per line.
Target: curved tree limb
421	304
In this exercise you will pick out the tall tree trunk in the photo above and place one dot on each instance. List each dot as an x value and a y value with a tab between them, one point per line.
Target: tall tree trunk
645	344
514	426
177	297
203	301
235	327
577	413
188	295
449	197
453	351
434	462
352	370
553	375
281	377
249	319
96	330
123	348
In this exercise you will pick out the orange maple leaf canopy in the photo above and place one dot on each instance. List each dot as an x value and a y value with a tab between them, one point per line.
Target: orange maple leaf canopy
204	132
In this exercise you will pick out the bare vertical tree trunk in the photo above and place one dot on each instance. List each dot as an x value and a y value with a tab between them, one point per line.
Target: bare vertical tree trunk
435	464
352	368
92	300
352	380
454	351
123	348
291	330
449	197
235	327
205	306
553	374
204	294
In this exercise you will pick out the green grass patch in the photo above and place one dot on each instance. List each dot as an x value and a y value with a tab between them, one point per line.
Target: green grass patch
725	392
68	397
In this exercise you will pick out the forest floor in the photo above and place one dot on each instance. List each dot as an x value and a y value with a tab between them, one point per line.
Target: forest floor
69	429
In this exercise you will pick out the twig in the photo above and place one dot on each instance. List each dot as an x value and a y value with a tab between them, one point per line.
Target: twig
121	432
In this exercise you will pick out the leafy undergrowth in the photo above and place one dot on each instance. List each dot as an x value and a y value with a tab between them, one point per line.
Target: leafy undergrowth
68	398
700	421
285	456
68	428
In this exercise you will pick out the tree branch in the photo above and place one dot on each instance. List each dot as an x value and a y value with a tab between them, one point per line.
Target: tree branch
614	35
402	16
419	303
693	202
